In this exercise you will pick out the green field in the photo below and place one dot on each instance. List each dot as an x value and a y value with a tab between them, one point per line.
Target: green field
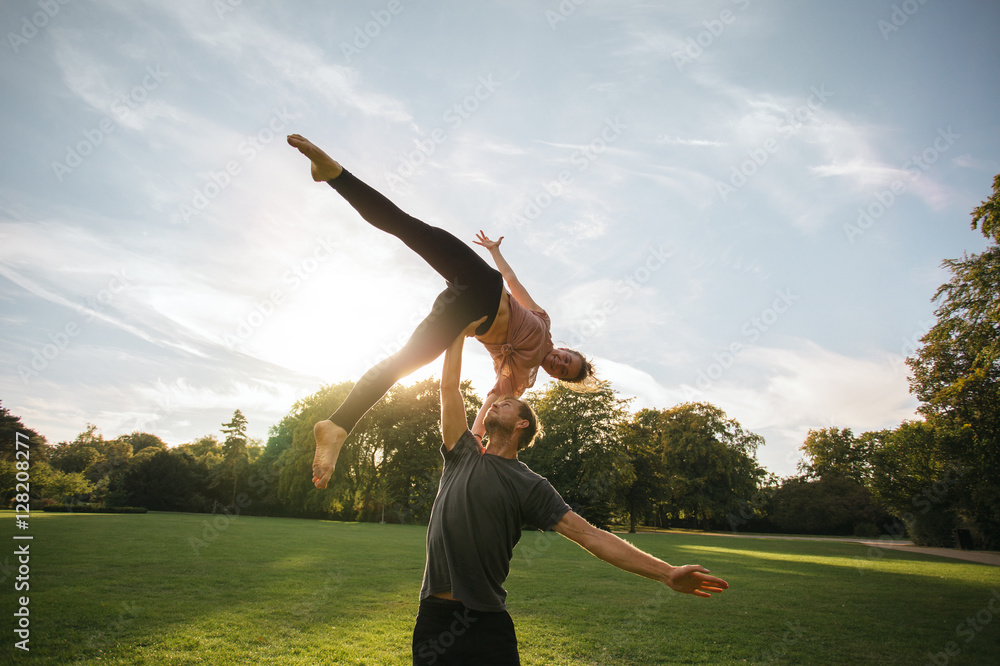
197	589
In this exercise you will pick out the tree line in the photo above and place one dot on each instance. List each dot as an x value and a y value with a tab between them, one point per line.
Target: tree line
685	466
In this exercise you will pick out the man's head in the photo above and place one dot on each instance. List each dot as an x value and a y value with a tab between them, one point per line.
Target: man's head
509	418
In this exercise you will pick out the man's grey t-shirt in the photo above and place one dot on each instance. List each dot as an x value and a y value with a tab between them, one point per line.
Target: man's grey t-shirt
482	503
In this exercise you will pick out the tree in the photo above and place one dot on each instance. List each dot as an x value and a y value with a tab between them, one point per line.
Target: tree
262	480
162	481
956	371
580	450
709	461
295	489
919	477
988	213
234	449
836	452
397	454
381	495
141	440
645	491
12	430
833	504
393	453
81	453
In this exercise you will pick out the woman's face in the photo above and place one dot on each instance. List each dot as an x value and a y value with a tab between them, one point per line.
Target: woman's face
562	363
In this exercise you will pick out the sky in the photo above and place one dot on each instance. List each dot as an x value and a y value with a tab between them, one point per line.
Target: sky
739	202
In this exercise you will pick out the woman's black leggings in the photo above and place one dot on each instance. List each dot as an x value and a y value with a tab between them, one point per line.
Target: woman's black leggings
474	289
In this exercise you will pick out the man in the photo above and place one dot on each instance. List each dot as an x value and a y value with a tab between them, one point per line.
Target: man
484	498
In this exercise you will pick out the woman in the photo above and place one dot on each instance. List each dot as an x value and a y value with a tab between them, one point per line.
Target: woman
512	327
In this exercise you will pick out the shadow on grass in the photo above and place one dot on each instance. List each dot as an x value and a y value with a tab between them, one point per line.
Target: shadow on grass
165	588
263	590
795	602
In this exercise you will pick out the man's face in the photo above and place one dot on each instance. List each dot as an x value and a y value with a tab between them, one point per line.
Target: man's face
504	414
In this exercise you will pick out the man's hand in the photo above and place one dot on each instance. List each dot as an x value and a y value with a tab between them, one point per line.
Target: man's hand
470	330
694	579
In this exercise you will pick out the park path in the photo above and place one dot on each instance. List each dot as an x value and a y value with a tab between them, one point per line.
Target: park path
990	557
981	556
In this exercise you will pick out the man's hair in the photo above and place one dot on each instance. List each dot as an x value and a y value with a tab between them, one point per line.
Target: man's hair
534	429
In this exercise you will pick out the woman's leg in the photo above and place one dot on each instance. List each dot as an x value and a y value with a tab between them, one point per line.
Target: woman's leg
430	339
448	318
454	260
474	291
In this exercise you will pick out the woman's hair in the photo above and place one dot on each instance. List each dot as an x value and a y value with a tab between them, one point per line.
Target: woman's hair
585	381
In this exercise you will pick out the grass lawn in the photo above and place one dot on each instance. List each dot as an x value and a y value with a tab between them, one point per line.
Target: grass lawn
196	589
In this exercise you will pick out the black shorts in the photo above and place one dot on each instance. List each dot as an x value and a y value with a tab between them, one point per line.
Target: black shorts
447	633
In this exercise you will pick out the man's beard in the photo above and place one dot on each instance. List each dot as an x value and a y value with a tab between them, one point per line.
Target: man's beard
495	425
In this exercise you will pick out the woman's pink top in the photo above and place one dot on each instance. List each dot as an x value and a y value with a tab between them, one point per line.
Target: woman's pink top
528	342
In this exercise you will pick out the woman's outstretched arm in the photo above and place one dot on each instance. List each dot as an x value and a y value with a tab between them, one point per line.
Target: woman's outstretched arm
517	290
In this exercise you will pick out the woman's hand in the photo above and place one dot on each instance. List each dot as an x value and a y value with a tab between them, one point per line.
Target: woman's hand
486	242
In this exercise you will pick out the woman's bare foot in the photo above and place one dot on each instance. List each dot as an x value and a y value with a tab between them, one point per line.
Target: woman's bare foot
329	438
324	167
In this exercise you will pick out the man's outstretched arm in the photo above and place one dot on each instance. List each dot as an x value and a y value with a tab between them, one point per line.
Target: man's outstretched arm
691	579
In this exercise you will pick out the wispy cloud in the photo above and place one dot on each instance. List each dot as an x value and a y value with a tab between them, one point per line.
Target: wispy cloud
271	57
679	141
